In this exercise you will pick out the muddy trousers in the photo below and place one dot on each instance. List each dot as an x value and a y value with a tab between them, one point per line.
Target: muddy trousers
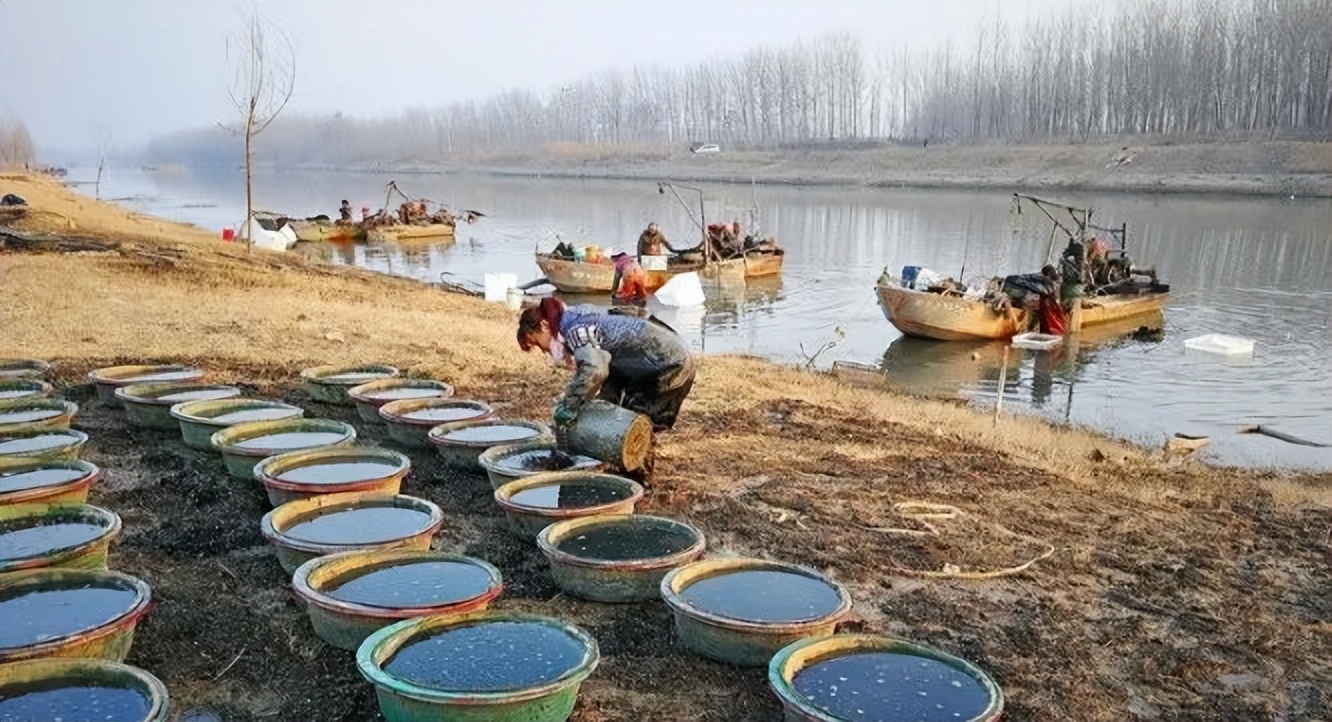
659	397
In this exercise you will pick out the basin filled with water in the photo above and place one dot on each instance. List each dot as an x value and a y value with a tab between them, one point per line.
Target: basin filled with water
24	481
80	690
113	377
865	678
535	502
330	384
34	446
479	667
199	420
369	397
410	420
69	613
23	368
22	388
328	523
617	558
461	443
350	595
742	611
35	414
149	405
508	462
335	470
244	445
37	536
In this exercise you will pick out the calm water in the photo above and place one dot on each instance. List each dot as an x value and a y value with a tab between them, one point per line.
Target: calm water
85	703
42	615
33	478
181	375
291	440
405	392
630	540
31	541
352	378
414	584
571	496
444	414
337	473
20	417
494	434
544	460
1252	267
762	596
487	657
889	687
37	442
367	525
204	394
271	413
9	394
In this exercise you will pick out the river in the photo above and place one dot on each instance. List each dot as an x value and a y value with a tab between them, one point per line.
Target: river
1260	268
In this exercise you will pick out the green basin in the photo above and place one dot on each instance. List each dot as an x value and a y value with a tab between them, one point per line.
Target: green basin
199	420
23	368
53	413
790	660
149	405
460	452
492	460
53	674
526	521
617	580
109	640
55	444
369	397
90	554
281	491
414	433
403	701
292	553
22	388
113	377
240	460
346	624
330	384
73	491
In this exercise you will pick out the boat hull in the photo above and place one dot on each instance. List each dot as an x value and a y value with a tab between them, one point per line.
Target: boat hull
314	231
574	277
389	234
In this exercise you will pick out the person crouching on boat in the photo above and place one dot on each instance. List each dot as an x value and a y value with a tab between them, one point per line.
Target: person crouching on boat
630	284
639	364
652	241
1050	311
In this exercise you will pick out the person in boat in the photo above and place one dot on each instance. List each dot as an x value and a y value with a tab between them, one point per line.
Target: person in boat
629	286
1049	309
651	242
345	212
640	364
564	250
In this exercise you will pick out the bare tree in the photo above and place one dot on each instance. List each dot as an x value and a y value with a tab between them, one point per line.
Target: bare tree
264	65
15	143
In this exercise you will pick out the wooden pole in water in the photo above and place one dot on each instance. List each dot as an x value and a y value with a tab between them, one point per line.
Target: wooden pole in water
1003	380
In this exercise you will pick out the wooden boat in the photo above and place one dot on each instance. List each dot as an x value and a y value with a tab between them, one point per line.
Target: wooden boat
409	232
328	231
573	277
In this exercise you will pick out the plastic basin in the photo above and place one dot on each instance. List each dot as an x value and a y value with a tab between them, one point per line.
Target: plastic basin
54	674
149	405
369	397
35	414
240	460
395	465
346	624
413	432
403	701
739	641
90	554
22	388
617	580
72	488
526	521
458	447
199	420
292	553
23	368
35	446
492	460
113	377
330	384
790	660
110	640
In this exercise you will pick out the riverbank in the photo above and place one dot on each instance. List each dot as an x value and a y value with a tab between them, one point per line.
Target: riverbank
1174	590
1279	168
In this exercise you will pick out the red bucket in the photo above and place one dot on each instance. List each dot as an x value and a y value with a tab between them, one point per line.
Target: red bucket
228	234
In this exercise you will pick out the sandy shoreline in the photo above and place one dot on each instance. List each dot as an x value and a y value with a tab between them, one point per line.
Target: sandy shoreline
1169	580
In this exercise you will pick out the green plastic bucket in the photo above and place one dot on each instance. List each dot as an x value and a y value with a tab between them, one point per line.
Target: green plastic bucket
458	446
23	388
199	420
149	405
35	446
113	377
618	580
492	460
86	554
330	384
35	414
71	487
240	460
414	432
292	552
526	521
369	397
35	675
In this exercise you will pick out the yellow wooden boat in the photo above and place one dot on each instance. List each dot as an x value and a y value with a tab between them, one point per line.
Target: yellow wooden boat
575	277
399	232
328	231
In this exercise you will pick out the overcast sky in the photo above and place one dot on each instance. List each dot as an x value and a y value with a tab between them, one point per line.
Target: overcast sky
81	73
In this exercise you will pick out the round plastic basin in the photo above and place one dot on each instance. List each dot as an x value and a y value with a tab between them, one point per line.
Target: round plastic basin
617	558
24	481
369	397
27	368
741	641
22	388
505	463
35	446
82	686
535	502
345	624
35	414
410	420
461	443
244	445
199	420
292	551
330	384
105	638
149	405
113	377
336	470
38	536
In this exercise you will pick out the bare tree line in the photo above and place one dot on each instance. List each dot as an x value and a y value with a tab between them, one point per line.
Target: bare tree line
15	143
1211	67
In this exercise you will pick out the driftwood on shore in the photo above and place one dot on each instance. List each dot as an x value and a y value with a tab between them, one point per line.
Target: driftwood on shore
1283	436
11	239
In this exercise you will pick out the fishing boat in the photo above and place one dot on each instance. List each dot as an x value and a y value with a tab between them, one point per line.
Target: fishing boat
324	230
399	232
1113	293
571	276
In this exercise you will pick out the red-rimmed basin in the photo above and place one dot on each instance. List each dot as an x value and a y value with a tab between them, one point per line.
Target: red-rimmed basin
496	461
110	639
113	377
461	443
642	549
199	420
293	552
369	397
35	414
35	446
86	552
589	494
331	383
392	468
23	388
37	676
410	420
345	624
149	405
244	445
68	481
